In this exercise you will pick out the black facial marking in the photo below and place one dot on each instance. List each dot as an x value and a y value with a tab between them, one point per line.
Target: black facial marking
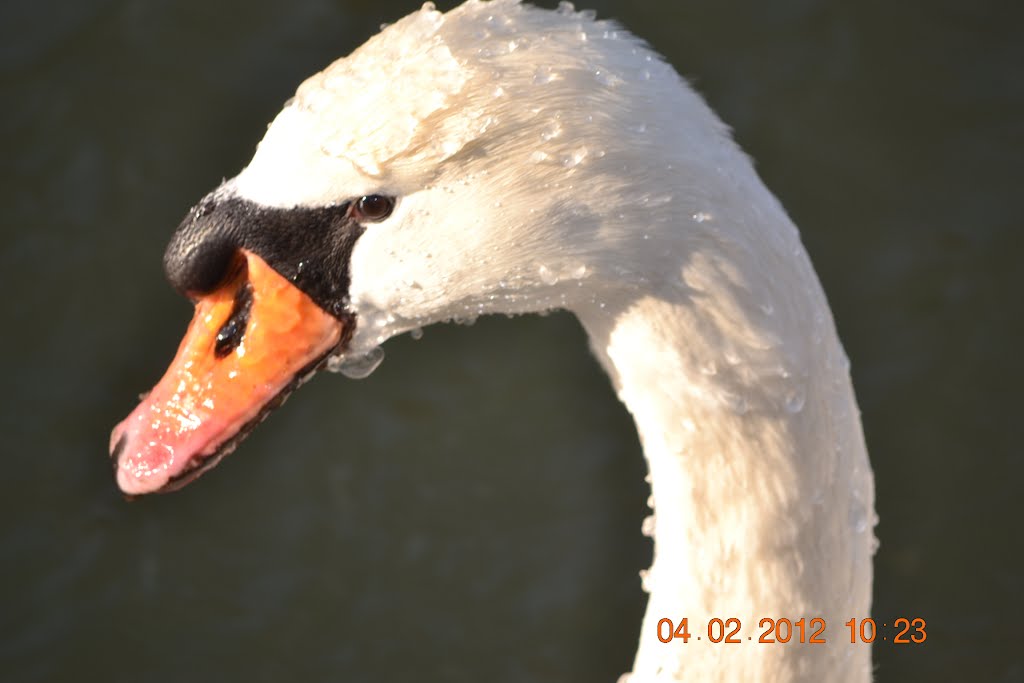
231	332
311	247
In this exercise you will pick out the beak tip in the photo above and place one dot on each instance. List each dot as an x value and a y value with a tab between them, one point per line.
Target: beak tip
134	475
208	401
117	444
133	485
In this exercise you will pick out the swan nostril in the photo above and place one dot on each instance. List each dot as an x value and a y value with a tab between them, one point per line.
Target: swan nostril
233	330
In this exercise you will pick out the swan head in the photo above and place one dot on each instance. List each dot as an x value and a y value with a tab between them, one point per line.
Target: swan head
498	158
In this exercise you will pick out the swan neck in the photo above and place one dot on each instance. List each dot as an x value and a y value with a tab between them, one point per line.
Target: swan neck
762	495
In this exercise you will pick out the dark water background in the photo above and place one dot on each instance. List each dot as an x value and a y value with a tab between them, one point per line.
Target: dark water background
472	511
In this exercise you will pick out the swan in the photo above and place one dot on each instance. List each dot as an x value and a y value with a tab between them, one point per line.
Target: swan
501	158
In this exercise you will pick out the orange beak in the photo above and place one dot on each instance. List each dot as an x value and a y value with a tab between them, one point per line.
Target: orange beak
250	343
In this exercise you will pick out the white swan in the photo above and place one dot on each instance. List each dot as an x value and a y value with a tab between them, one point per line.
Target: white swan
505	159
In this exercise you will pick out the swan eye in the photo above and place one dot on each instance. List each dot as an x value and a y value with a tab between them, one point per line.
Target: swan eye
373	207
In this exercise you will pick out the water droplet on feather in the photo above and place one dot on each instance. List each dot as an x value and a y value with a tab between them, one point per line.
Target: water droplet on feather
647	528
359	366
795	401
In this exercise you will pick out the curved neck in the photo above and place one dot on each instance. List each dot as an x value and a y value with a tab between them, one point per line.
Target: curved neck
762	493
